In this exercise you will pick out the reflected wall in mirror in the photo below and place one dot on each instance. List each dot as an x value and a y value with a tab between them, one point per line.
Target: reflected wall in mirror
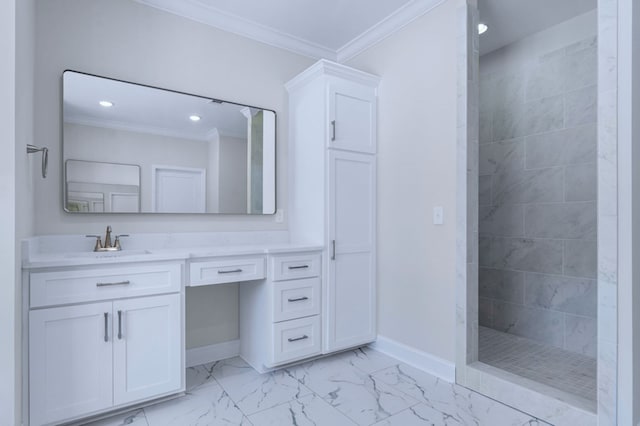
190	154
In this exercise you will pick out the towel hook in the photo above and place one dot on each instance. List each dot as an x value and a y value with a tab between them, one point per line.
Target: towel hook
45	156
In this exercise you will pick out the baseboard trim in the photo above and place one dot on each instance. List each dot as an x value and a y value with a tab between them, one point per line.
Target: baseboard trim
422	360
211	353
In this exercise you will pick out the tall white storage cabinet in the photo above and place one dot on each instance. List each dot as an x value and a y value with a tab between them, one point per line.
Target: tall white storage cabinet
333	193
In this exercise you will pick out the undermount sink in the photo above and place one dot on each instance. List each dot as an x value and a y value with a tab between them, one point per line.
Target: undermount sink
108	254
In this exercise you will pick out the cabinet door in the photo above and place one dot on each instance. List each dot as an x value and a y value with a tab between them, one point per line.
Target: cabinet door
351	285
70	361
352	117
147	347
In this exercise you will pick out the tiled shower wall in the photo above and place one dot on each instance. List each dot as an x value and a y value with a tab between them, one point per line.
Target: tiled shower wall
537	196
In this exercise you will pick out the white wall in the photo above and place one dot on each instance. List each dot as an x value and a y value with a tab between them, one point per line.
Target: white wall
16	127
125	40
416	171
129	41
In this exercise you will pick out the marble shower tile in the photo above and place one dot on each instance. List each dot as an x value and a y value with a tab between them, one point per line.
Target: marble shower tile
525	254
580	258
581	68
485	312
580	335
528	186
132	418
508	90
205	406
536	324
507	286
570	146
503	221
581	107
484	193
559	293
486	126
587	43
501	157
580	182
253	391
543	115
484	249
443	403
561	220
306	411
545	78
509	123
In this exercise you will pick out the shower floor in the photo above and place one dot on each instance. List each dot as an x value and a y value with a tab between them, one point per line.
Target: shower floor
555	367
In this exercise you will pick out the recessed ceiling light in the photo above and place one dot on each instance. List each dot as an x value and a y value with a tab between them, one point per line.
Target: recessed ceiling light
482	28
106	104
194	117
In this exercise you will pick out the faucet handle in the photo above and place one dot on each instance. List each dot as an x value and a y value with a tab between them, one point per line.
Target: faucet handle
116	243
98	241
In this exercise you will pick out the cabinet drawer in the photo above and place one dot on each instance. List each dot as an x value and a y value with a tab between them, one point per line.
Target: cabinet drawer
296	266
226	271
74	286
296	339
296	299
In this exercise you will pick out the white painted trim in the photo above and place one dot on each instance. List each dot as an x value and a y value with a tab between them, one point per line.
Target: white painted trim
446	370
199	11
329	68
211	353
388	26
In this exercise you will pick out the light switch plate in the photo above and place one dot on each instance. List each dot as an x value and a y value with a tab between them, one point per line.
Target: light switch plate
438	215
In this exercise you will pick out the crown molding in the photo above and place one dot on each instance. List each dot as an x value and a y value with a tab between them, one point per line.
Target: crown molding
327	68
206	14
197	10
388	26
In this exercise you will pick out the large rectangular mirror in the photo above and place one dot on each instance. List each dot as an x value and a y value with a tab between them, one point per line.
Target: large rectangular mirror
133	148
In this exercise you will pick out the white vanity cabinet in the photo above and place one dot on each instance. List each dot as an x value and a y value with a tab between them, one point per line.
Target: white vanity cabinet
119	342
333	192
280	317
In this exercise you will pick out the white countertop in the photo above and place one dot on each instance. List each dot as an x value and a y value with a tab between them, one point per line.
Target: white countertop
37	252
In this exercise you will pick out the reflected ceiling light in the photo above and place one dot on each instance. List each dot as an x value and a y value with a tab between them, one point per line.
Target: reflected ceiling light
482	28
106	104
194	117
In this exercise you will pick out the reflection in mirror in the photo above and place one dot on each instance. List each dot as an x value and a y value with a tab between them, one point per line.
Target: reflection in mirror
94	187
191	154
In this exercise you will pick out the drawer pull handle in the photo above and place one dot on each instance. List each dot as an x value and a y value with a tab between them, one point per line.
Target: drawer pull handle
231	271
119	325
106	327
295	339
127	282
299	267
298	299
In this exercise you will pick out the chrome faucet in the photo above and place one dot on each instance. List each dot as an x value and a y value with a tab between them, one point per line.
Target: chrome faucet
107	246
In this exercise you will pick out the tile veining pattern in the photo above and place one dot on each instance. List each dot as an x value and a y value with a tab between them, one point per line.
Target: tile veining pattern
360	387
537	193
567	371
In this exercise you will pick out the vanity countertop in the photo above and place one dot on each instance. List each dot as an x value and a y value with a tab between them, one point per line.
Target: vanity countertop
36	254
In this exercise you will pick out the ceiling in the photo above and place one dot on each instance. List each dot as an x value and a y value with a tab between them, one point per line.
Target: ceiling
512	20
331	29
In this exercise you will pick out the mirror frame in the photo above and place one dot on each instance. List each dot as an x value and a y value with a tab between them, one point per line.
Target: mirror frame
63	160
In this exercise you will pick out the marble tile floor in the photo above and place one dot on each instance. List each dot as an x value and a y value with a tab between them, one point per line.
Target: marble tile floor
359	387
567	371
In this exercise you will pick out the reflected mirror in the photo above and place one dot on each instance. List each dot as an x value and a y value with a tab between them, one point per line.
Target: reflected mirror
132	148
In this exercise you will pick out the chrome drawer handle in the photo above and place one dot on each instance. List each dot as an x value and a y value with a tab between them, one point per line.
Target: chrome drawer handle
299	267
127	282
232	271
119	325
106	327
299	299
295	339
